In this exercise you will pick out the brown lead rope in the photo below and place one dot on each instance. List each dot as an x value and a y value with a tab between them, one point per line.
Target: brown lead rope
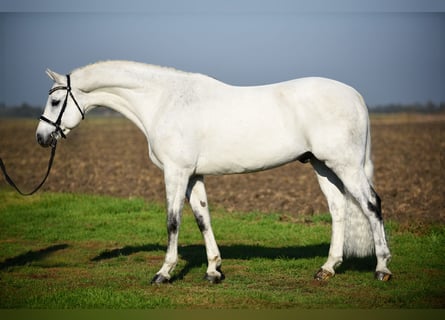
9	180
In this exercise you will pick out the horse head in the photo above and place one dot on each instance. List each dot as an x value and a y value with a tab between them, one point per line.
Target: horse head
62	112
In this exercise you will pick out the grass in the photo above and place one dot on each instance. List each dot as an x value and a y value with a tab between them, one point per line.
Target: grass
62	251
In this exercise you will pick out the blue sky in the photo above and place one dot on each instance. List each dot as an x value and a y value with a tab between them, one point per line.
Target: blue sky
391	51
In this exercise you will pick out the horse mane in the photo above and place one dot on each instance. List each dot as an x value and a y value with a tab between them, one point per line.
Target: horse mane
136	65
112	72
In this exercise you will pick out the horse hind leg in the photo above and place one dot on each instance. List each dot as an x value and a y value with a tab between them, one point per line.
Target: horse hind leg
333	190
197	197
359	187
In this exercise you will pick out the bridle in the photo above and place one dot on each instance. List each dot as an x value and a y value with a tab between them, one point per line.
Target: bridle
58	131
69	93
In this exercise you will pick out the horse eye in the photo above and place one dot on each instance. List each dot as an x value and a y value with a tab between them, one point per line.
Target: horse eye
55	103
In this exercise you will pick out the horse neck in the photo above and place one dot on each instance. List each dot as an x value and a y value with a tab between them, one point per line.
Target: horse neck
132	89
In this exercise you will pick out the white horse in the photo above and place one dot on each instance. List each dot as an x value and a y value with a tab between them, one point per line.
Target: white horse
196	126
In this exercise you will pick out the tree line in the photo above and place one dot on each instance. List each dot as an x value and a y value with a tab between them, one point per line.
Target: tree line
28	111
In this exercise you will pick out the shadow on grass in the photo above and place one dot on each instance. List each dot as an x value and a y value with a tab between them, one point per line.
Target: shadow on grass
31	256
194	255
365	264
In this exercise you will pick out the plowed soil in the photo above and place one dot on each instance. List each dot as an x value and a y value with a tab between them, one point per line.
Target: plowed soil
109	156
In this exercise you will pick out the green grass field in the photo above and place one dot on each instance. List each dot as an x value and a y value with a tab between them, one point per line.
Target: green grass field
62	251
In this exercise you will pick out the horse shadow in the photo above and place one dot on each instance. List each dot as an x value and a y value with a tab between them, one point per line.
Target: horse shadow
31	256
194	255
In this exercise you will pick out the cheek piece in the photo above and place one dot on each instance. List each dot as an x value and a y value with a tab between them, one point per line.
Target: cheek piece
69	93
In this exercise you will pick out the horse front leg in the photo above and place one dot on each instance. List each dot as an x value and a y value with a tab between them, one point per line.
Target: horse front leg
176	185
198	201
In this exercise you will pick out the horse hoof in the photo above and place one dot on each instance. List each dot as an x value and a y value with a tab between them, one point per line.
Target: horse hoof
323	275
214	279
382	276
159	279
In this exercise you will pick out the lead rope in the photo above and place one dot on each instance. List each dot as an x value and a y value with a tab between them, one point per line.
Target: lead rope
11	182
58	131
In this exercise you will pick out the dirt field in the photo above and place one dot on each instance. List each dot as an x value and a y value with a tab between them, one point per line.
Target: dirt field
109	156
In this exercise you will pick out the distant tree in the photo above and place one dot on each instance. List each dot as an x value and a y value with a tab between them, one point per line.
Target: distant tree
429	107
23	111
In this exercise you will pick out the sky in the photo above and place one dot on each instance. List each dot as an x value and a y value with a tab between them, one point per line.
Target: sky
391	51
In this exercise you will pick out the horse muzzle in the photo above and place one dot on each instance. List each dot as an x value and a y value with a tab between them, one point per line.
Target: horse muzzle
48	132
49	140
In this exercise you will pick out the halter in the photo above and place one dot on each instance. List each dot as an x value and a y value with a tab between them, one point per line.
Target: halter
69	93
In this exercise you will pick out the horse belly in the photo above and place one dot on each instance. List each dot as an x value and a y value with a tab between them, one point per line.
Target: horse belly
253	132
242	155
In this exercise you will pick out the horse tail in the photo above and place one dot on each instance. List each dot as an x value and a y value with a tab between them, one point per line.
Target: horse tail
359	241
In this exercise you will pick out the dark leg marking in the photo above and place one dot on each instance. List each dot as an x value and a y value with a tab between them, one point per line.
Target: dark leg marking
200	222
172	225
377	208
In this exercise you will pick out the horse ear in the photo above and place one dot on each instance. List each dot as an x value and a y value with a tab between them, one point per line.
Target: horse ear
54	76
